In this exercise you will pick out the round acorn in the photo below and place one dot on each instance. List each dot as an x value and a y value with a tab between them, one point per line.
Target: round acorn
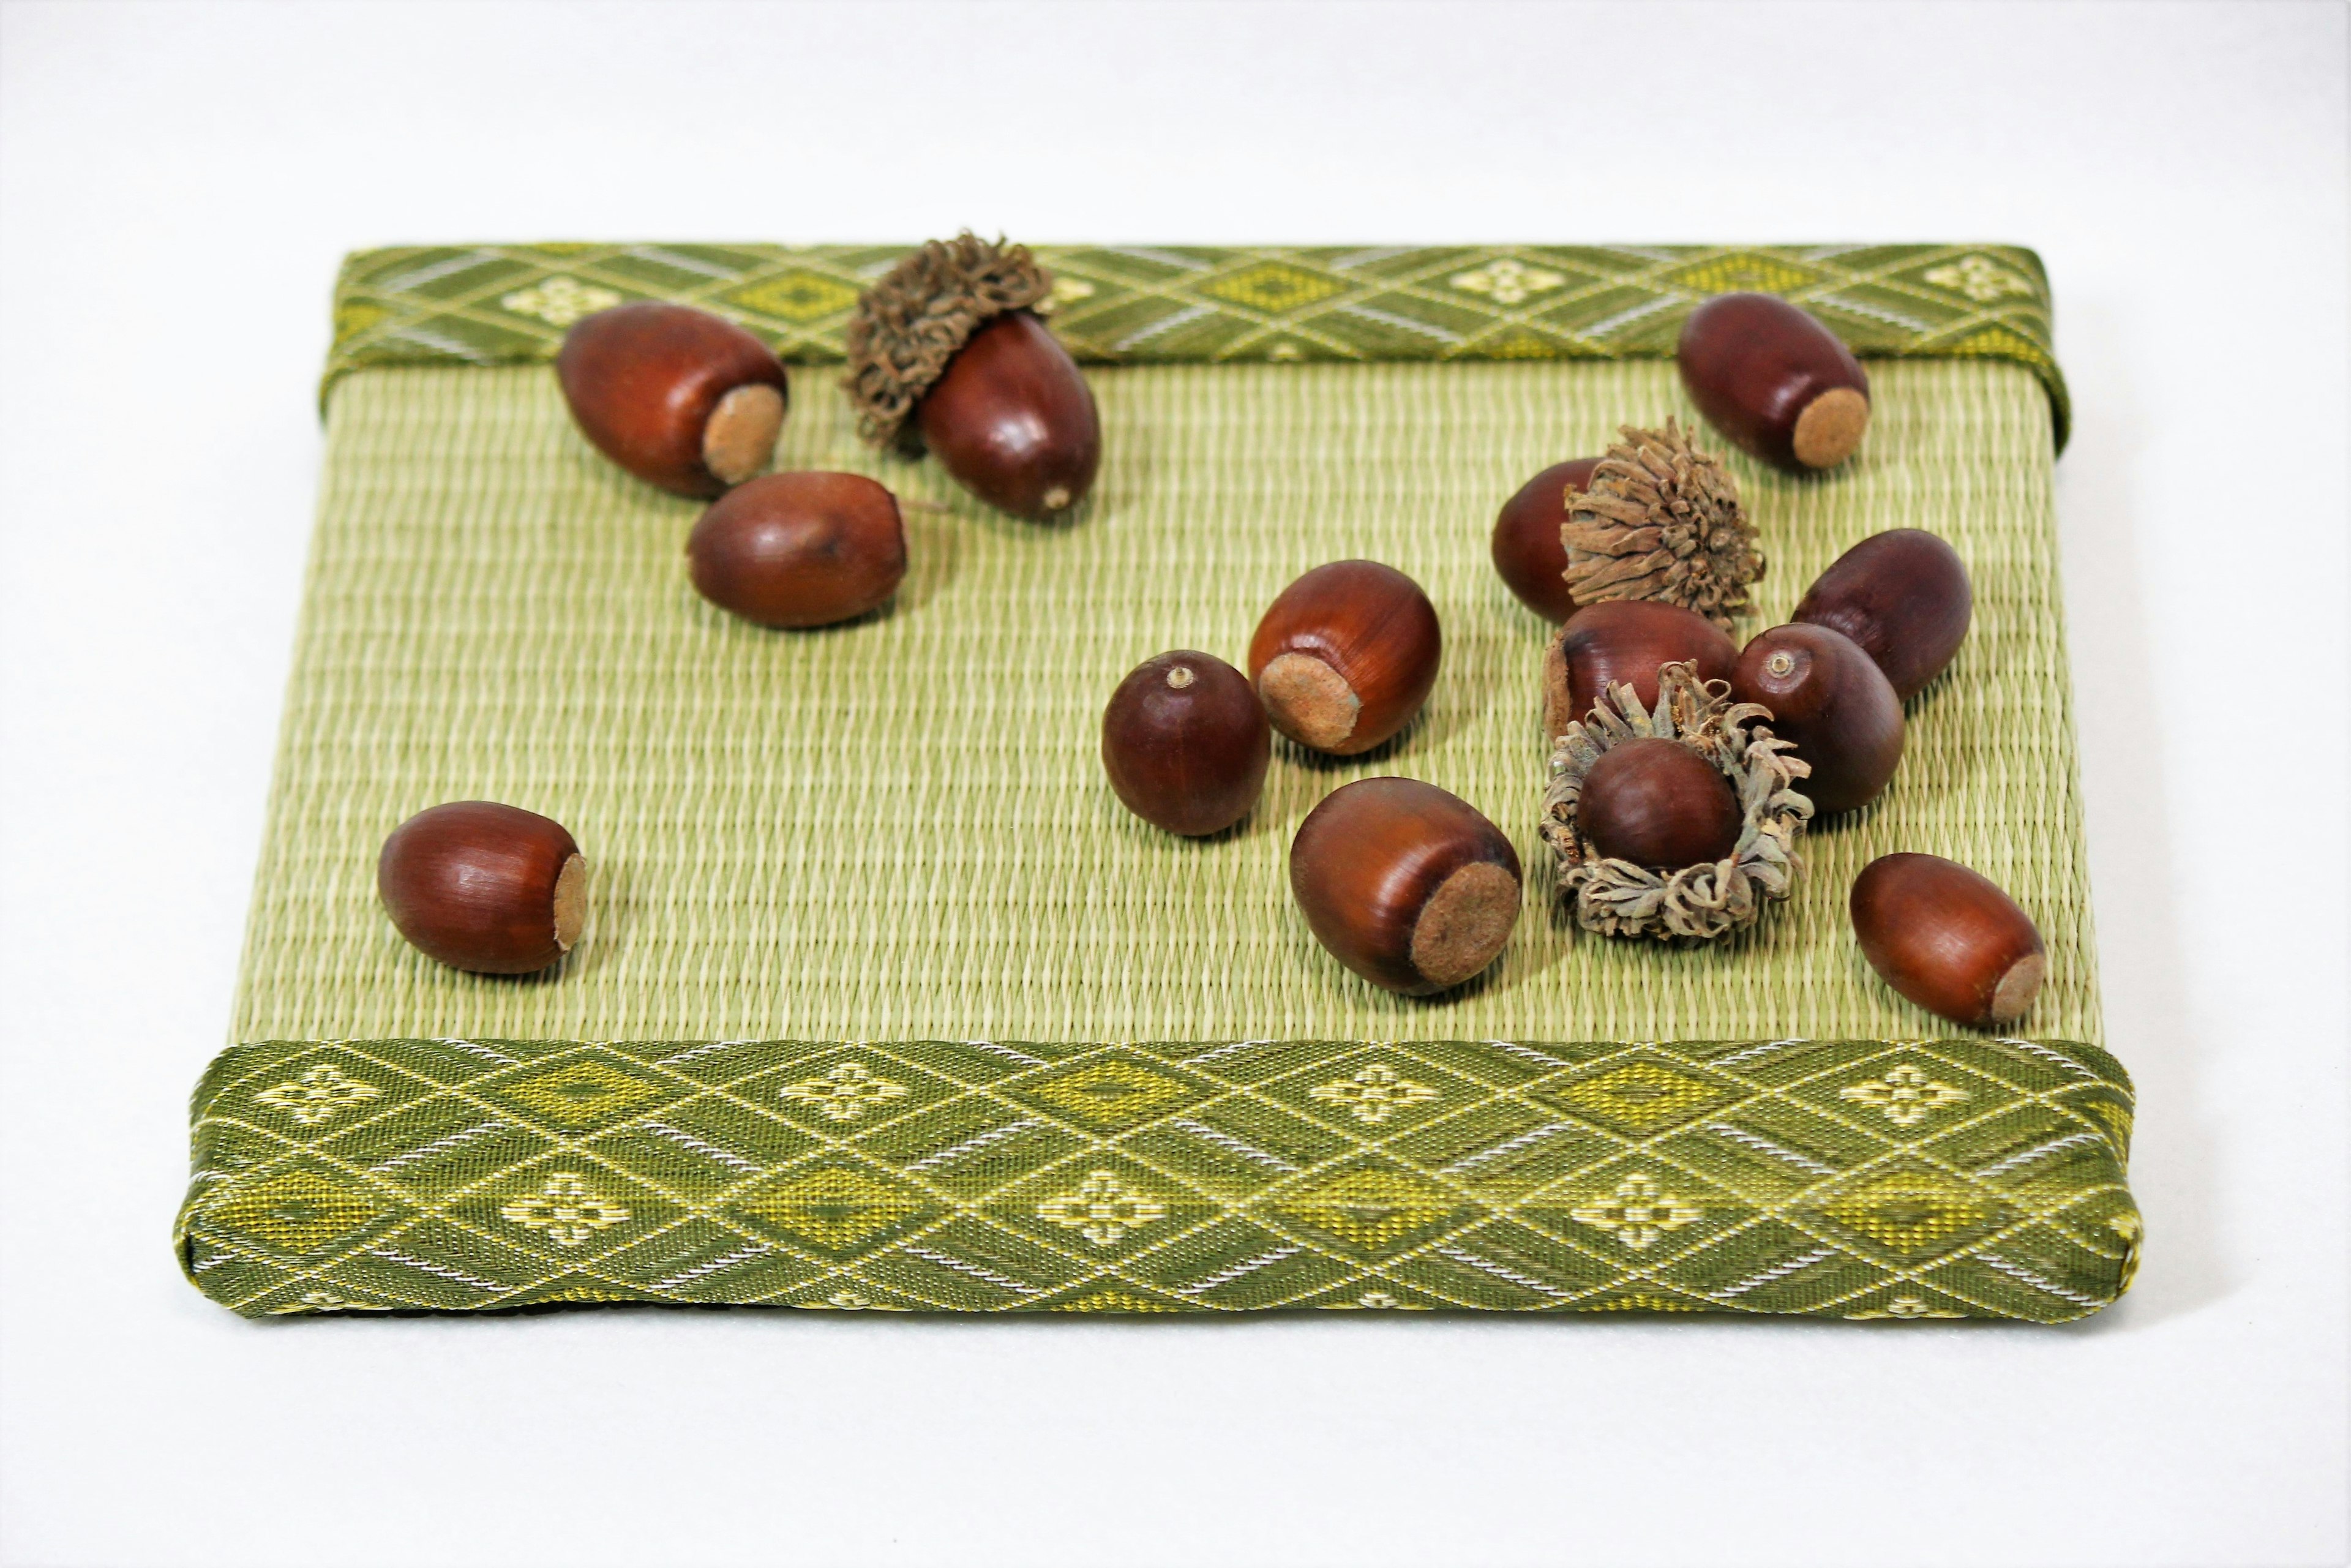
1346	656
1657	803
676	396
1527	547
1186	743
946	352
1777	384
799	549
1903	596
485	887
1628	640
1408	885
1947	938
1832	701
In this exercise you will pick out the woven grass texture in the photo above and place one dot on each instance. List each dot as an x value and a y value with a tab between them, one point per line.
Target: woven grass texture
899	829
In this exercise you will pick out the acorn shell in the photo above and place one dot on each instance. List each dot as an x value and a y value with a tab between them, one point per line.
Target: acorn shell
1773	379
1698	903
1903	596
662	389
1528	551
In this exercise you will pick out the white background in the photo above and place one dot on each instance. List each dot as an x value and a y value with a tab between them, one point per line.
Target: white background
178	184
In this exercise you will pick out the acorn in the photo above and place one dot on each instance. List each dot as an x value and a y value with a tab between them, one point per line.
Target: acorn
1639	843
1832	701
485	887
1903	596
1657	803
676	396
1628	640
1528	550
1776	382
946	352
1186	743
1661	519
799	549
1405	883
1947	938
1346	656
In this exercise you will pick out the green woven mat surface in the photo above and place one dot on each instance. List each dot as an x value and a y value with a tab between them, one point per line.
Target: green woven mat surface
509	303
897	832
1955	1178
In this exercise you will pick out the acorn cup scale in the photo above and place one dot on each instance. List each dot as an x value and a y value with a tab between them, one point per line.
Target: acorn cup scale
1407	885
483	886
947	353
1662	520
675	396
1774	381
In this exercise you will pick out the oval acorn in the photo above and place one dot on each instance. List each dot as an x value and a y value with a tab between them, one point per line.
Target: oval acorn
1346	656
947	353
1774	381
1186	743
482	886
1628	640
799	549
1832	701
1903	595
1408	885
1947	938
1658	804
1527	547
676	396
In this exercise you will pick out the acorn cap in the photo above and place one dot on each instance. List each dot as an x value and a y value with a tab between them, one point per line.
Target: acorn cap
1701	902
919	317
1661	519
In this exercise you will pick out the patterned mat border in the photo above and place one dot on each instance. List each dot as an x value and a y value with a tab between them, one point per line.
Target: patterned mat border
509	303
1856	1179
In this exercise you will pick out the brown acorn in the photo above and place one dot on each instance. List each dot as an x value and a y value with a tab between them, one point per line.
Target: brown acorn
1657	803
1408	885
1527	547
1774	381
946	352
1903	596
1186	743
1832	701
485	887
1346	656
676	396
1947	938
799	549
1628	640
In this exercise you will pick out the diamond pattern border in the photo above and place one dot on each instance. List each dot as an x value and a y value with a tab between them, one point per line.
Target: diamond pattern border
1827	1178
510	304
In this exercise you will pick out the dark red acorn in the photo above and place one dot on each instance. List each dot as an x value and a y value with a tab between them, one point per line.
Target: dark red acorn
1778	384
1903	596
1657	803
1346	656
799	549
1832	701
1528	550
1186	743
676	396
485	887
1408	885
1628	640
1947	938
1013	420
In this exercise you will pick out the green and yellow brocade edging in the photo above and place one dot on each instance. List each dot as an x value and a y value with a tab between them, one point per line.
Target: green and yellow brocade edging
510	304
1915	1179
